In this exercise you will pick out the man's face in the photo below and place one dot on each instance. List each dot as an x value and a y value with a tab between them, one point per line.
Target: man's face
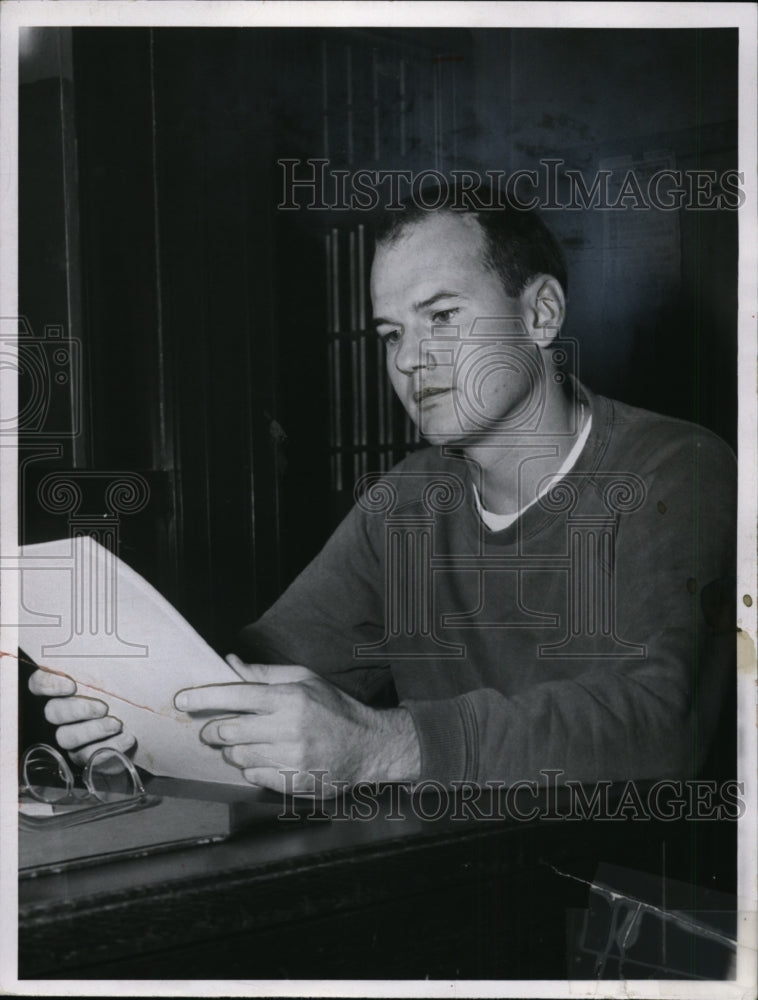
458	355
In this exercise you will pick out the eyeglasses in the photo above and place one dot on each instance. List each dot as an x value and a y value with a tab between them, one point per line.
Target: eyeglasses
112	785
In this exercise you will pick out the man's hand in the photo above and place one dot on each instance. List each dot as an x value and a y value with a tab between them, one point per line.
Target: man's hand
83	723
287	718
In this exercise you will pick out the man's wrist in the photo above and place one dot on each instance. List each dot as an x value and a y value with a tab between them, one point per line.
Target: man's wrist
397	751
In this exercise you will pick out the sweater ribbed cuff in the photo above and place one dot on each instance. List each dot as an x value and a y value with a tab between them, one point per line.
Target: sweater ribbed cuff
443	738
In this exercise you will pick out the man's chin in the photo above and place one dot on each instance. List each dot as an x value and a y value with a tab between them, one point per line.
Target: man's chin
470	438
441	431
444	436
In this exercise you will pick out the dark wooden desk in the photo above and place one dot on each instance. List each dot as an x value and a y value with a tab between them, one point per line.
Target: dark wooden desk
315	899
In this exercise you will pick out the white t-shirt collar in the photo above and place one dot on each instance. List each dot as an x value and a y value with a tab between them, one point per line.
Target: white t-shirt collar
497	522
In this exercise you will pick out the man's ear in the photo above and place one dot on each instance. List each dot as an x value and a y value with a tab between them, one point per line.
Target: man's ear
546	308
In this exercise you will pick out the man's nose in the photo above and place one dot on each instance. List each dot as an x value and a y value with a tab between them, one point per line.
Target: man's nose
413	352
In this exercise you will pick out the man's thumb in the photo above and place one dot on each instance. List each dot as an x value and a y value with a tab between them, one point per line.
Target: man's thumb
267	673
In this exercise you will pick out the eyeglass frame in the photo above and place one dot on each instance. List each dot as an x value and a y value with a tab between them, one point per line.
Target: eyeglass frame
138	799
65	771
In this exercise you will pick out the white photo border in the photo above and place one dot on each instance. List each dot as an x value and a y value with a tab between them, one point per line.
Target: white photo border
15	14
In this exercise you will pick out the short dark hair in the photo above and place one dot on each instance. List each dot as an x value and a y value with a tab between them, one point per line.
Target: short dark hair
517	244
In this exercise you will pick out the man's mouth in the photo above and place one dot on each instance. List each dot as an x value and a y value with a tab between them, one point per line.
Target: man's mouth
428	392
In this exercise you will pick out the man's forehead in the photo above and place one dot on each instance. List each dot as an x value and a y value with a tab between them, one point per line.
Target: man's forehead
442	241
447	226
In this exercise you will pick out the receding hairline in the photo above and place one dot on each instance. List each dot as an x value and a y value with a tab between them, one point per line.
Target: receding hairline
404	227
403	224
516	247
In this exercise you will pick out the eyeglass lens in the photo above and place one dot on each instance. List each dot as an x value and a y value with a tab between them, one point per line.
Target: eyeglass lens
46	775
111	776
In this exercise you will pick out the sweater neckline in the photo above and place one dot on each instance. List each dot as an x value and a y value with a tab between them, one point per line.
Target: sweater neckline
535	518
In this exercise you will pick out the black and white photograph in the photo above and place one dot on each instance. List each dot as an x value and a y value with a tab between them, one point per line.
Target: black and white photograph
378	499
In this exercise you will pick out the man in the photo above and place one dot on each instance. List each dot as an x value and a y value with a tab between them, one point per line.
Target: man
543	588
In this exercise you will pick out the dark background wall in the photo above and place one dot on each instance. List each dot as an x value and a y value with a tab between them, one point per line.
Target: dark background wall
204	315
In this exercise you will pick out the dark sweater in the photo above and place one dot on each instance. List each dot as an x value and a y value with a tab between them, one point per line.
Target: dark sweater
594	635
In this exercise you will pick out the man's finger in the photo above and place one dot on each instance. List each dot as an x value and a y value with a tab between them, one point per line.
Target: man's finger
260	755
264	777
62	711
244	729
267	673
123	742
51	685
71	737
247	697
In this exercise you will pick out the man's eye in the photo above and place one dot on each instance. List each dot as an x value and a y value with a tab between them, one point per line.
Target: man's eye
391	337
444	316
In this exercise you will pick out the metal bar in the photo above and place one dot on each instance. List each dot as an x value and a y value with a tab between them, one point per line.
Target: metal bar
363	402
453	72
354	384
381	376
361	323
439	124
353	257
325	97
333	417
403	108
355	401
331	351
375	69
329	298
336	280
349	69
336	314
338	411
362	276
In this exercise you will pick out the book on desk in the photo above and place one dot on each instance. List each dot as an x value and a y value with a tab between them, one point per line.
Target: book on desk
172	814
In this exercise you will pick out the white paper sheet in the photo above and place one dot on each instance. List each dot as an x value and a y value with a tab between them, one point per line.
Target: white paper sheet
86	614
